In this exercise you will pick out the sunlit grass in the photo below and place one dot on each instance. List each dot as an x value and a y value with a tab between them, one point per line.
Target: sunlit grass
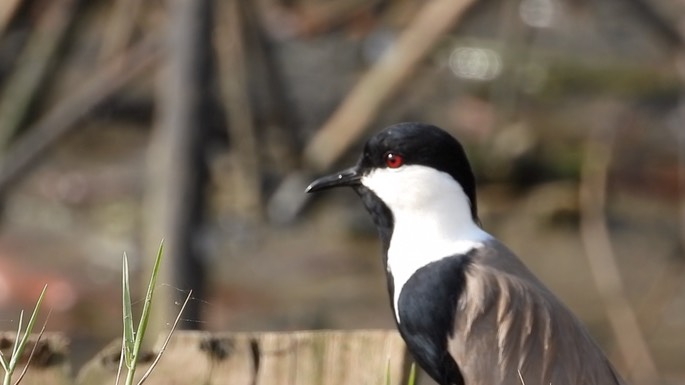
412	374
132	339
20	342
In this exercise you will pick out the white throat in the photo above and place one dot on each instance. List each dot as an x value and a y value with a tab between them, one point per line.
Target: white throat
432	219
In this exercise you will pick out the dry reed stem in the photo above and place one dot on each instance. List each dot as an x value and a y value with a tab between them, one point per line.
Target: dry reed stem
378	84
603	266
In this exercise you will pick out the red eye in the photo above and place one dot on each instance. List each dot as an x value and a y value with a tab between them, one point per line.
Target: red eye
393	160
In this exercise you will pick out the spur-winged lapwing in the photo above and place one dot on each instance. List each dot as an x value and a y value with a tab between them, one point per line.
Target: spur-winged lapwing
469	310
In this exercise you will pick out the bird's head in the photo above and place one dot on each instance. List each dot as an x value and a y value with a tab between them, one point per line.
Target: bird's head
409	166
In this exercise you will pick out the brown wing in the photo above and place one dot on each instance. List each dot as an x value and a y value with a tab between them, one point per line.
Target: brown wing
510	329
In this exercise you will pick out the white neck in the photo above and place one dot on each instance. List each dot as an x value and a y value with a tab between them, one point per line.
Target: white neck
432	219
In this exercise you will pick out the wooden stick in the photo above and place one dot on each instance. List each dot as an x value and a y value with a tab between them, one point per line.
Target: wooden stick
598	249
365	100
29	148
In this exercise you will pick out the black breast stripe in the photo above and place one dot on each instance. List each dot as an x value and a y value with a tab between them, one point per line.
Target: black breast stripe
427	306
384	221
380	214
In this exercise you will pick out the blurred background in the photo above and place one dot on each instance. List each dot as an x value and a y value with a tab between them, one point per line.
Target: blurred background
123	122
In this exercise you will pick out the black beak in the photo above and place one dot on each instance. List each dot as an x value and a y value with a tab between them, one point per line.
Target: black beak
348	177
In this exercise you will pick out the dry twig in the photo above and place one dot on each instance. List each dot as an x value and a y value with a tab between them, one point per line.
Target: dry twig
669	283
376	86
598	249
158	356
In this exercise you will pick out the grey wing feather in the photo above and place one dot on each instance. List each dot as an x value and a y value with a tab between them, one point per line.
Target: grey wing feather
509	329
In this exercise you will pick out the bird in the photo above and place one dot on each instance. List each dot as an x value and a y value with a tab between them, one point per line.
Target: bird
468	309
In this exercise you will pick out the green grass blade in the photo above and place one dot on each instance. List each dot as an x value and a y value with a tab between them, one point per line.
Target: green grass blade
29	329
145	316
17	339
412	374
3	362
129	334
121	363
33	350
387	372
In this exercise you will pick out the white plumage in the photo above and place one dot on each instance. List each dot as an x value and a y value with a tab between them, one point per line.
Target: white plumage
432	219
